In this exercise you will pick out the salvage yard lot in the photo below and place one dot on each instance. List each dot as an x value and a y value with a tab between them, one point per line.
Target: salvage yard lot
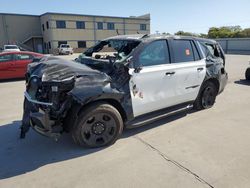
208	148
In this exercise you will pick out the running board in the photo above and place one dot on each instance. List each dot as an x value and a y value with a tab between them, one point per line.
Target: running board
149	118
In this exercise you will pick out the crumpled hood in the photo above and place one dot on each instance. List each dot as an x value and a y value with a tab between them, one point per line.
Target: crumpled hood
52	69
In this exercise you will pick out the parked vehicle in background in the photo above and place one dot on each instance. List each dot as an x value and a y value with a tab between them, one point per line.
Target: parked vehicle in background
11	48
14	64
65	49
146	78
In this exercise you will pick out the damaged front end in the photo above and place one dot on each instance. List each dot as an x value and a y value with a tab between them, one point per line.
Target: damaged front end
50	93
45	106
57	89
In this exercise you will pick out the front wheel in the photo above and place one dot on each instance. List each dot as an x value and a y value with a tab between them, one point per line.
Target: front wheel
247	74
207	96
100	124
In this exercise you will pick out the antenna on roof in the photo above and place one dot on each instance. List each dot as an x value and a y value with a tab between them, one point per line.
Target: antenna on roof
144	36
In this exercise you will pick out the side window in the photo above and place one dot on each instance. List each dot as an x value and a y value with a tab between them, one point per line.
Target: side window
156	53
6	58
183	51
211	50
23	57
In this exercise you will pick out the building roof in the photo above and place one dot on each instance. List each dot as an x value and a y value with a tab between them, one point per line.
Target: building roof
142	17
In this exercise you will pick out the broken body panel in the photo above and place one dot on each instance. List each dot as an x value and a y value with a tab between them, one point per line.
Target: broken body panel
57	90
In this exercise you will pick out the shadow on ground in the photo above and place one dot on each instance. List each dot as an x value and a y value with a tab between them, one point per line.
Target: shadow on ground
20	156
12	80
243	82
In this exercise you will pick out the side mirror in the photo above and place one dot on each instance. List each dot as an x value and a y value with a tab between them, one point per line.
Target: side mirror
138	69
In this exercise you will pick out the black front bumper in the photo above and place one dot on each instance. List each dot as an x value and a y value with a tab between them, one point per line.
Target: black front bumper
39	119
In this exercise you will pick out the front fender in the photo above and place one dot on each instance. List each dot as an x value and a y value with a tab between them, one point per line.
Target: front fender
89	93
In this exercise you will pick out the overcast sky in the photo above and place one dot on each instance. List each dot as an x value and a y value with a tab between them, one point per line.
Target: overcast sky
166	16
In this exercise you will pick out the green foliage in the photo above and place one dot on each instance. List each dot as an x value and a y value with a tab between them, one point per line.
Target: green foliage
228	32
182	33
220	32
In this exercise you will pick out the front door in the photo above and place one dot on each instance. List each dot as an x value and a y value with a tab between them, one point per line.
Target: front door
151	86
21	62
6	66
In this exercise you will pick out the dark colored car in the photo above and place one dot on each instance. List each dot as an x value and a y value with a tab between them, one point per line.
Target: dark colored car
132	81
14	64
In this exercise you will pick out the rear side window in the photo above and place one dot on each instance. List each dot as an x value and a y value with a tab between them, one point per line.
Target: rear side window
183	51
23	57
211	50
156	53
5	58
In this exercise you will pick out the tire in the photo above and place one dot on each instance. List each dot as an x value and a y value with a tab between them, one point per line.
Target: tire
98	125
206	97
247	74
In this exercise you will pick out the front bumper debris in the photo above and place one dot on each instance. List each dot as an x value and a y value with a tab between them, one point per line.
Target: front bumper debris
39	119
28	97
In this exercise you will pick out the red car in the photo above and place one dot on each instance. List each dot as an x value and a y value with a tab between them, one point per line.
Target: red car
14	64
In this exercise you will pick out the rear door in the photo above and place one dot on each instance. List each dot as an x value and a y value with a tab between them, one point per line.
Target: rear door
190	70
6	66
21	62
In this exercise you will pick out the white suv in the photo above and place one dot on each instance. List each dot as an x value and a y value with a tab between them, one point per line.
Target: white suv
65	49
147	77
11	48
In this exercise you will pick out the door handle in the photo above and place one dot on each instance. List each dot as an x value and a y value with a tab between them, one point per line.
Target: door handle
170	73
200	69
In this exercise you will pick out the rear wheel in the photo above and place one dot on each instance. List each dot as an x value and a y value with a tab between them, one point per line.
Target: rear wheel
207	96
247	74
98	125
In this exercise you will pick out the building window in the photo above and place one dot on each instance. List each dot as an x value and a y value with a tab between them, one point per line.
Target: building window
61	42
81	44
111	26
80	25
47	25
99	25
45	46
143	27
49	44
43	27
60	24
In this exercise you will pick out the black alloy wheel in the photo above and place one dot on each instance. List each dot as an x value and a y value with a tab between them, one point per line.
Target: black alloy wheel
98	125
206	97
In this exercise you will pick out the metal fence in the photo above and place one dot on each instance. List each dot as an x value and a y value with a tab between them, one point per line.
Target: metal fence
235	45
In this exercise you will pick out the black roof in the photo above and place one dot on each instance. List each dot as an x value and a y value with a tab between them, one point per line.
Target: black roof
146	37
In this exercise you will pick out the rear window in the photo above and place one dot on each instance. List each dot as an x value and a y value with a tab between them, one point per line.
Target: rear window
183	51
65	46
11	47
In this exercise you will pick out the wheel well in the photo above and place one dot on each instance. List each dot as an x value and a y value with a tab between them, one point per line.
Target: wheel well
215	82
112	102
